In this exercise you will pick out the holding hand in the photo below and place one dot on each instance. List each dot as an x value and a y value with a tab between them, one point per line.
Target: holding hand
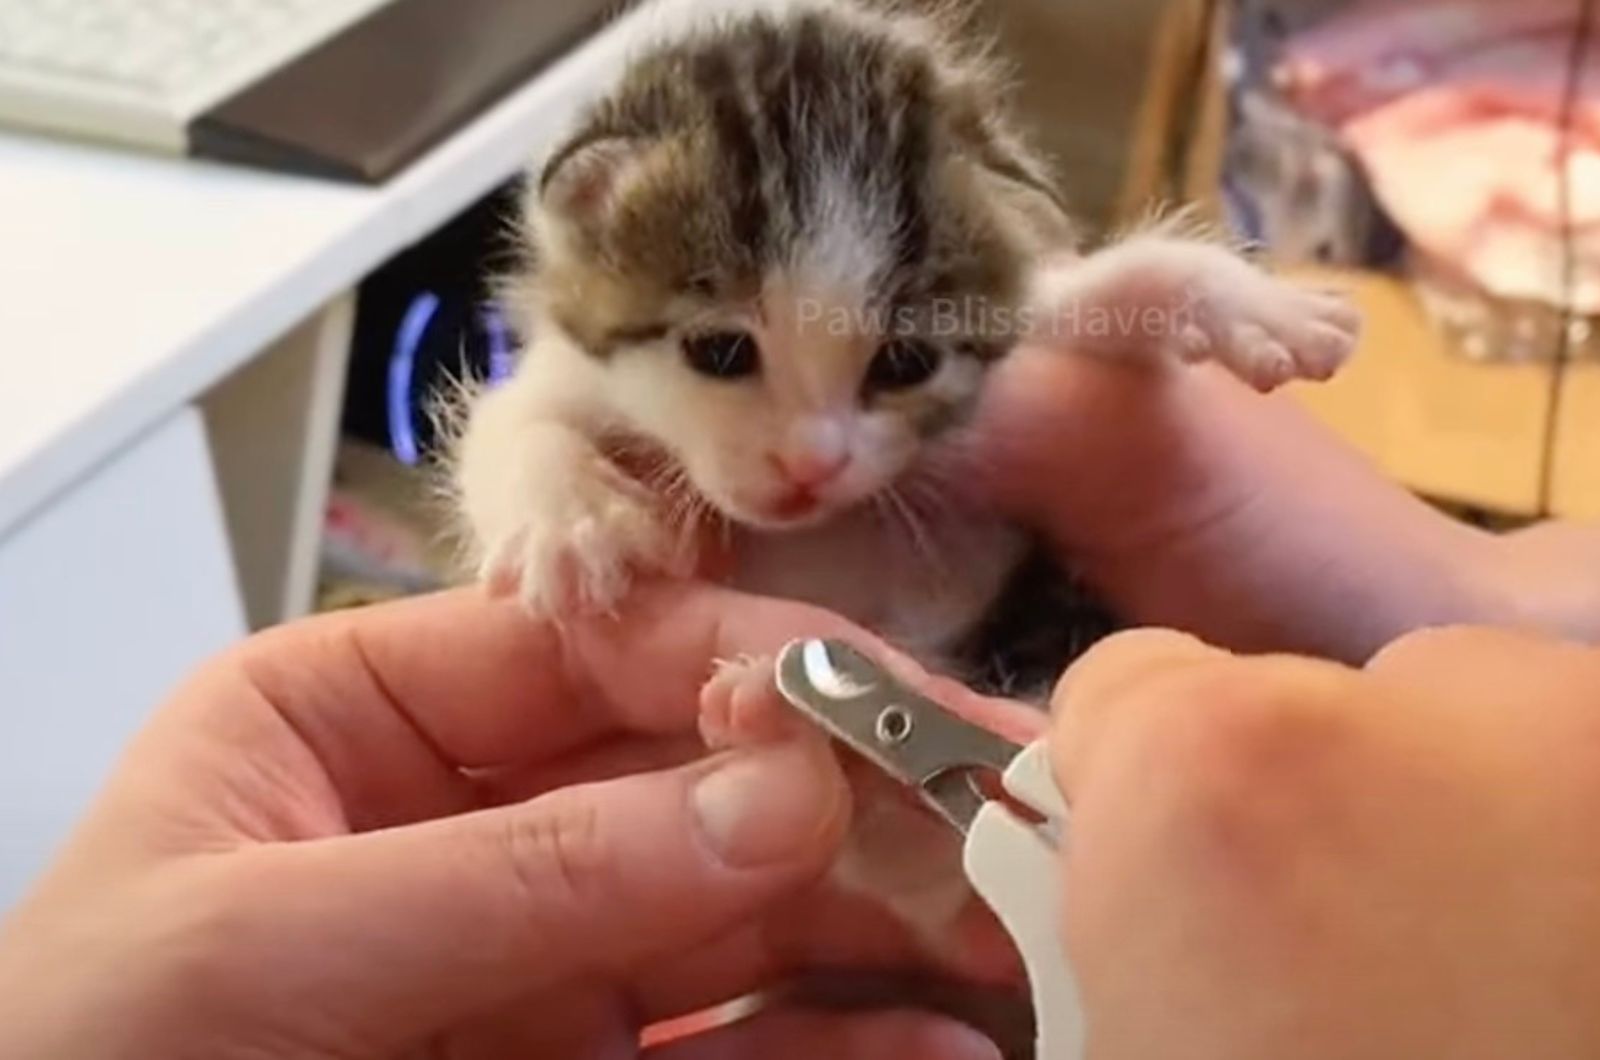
440	827
1277	858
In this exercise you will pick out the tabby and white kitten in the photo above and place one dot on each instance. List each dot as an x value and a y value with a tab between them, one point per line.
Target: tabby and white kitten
782	255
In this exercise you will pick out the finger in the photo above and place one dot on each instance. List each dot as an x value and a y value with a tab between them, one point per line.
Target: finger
827	928
488	685
788	1034
385	706
436	921
1106	685
605	760
671	638
393	702
833	927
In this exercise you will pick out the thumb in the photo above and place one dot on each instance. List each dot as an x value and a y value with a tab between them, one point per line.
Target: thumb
435	922
1110	689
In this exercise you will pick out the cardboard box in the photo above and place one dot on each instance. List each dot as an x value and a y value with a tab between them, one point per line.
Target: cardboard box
1464	431
1575	484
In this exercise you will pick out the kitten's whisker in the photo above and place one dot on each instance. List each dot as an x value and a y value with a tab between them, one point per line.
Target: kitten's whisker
687	510
882	512
952	475
920	538
939	506
684	499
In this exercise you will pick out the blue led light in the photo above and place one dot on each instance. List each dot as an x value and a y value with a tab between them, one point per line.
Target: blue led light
402	371
501	359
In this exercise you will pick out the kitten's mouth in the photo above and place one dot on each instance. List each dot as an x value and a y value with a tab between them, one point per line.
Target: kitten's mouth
796	510
796	505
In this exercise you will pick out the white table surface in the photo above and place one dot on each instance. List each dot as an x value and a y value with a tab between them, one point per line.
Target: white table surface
129	284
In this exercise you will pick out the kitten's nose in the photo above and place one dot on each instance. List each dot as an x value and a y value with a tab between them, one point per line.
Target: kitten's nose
810	468
815	450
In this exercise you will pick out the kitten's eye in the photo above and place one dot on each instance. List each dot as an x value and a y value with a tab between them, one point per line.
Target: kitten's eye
901	364
723	354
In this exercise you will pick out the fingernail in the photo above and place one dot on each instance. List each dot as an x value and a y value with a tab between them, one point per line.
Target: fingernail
767	806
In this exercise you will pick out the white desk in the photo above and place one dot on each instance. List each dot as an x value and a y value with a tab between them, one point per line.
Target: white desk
167	328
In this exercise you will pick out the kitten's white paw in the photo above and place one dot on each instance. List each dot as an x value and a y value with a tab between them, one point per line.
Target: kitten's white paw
578	550
1196	301
1266	331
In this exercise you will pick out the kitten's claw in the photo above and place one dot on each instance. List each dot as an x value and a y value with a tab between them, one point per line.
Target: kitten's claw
579	553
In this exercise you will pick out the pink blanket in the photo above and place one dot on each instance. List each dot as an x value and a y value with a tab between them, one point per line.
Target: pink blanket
1453	109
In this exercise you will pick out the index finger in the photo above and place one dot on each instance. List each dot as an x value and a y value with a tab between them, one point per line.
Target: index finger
395	713
486	685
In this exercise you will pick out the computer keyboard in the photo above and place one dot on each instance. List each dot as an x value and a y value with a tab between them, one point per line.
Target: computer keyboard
238	78
138	70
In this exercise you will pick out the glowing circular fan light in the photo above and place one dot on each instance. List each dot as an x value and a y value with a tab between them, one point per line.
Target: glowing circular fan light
402	373
409	345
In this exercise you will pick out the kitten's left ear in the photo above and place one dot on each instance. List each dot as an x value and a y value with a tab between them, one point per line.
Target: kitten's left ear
1030	199
581	181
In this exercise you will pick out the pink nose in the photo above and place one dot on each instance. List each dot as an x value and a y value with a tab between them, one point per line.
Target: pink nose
809	469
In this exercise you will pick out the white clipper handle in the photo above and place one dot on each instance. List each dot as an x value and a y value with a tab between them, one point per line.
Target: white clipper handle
1015	867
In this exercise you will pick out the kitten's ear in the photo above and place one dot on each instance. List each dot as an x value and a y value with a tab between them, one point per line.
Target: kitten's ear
581	181
1030	200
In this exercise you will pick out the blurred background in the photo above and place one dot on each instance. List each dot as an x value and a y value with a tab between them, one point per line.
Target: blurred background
1437	157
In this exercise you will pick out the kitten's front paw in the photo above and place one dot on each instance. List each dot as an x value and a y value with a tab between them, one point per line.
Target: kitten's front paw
579	550
1266	331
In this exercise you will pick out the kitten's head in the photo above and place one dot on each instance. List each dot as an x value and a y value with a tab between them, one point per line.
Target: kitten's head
795	244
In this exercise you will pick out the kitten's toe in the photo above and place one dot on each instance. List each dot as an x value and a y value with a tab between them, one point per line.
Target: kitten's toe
552	576
740	706
1270	333
605	547
1260	359
1194	345
499	577
1320	332
582	557
1337	310
509	568
1325	350
544	580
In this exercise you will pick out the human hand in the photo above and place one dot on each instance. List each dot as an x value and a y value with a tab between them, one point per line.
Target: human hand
1189	501
439	828
1274	857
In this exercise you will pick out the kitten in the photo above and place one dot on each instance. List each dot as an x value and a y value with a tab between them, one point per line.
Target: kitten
768	276
780	259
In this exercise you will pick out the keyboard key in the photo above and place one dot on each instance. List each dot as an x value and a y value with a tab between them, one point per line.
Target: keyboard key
151	44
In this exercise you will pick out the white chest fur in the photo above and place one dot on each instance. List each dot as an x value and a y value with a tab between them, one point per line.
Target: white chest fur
922	590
